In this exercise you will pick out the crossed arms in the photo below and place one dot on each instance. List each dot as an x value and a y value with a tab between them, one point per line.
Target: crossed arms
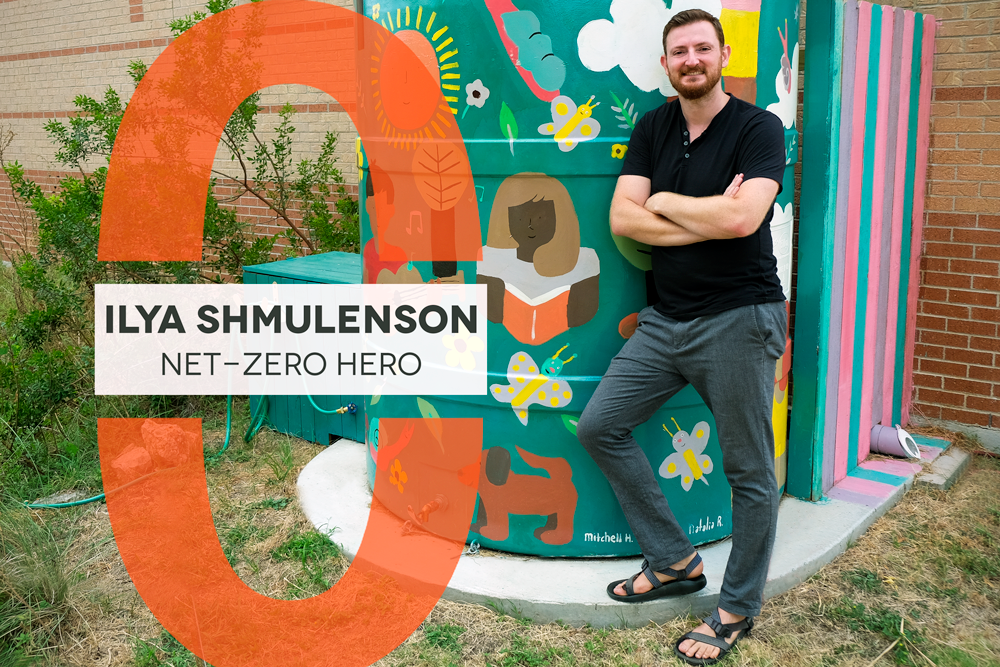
670	219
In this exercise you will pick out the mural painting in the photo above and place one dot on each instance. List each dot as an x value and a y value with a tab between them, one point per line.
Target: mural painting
540	282
633	40
740	21
687	461
571	124
529	49
503	492
530	385
786	83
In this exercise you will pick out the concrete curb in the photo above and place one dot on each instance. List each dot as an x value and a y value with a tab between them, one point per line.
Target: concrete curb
335	498
945	470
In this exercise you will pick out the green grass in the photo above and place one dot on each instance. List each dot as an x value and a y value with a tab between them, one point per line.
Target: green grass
864	580
444	636
524	653
308	547
881	621
165	651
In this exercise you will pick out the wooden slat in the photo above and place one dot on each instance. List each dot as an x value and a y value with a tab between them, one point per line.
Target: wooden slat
839	244
821	127
879	396
919	185
847	331
906	249
874	238
898	204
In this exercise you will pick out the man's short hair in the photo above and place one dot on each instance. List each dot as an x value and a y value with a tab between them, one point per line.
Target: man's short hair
689	16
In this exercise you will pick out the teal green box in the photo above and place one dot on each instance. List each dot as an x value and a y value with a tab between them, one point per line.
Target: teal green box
295	415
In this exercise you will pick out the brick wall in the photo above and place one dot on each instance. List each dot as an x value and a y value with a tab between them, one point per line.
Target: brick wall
53	50
957	357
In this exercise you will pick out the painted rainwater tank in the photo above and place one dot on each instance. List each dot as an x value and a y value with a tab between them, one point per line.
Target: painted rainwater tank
546	95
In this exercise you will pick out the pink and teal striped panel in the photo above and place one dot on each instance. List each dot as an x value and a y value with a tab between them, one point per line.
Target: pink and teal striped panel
887	60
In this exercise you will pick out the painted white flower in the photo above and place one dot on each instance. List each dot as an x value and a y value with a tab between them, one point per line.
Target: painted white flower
461	349
476	93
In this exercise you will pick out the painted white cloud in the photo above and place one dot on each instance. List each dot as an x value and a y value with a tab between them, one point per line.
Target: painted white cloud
787	102
632	40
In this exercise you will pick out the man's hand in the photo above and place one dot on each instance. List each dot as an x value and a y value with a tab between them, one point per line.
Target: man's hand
630	218
734	187
736	213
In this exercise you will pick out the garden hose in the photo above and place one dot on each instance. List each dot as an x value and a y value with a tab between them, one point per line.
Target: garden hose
259	415
257	420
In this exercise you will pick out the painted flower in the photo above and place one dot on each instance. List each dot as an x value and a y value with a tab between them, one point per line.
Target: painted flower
397	475
375	9
618	151
476	94
461	347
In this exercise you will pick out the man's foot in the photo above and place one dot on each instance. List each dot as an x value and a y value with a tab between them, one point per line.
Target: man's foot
696	649
643	585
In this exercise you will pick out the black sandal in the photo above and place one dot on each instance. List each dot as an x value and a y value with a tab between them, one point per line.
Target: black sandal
681	585
723	631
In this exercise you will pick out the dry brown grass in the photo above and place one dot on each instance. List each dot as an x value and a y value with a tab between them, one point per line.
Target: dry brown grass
932	560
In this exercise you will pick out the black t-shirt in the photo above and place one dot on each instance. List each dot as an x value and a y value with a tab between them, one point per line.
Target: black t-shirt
715	275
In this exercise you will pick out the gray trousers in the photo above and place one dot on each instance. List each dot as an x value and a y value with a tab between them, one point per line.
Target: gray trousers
729	358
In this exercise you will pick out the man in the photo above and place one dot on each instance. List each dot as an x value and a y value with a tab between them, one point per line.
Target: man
698	184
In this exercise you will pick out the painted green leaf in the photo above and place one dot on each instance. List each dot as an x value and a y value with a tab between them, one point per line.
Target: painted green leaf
570	423
375	399
430	414
508	125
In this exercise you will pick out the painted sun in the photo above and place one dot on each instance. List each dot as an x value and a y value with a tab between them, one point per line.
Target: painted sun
405	116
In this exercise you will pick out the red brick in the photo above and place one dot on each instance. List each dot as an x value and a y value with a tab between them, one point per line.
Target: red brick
968	387
942	156
929	411
987	174
933	293
947	280
972	298
968	357
957	124
949	250
939	204
951	220
978	141
964	416
954	188
943	339
929	381
944	310
993	93
963	93
928	351
942	140
986	284
988	344
972	328
928	323
984	404
937	234
943	368
928	263
989	221
940	397
986	314
937	172
988	252
975	268
981	236
987	374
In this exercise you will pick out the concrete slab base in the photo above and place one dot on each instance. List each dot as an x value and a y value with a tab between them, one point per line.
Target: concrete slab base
945	470
334	494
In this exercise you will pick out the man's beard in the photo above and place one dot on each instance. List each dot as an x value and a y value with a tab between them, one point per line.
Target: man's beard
695	92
